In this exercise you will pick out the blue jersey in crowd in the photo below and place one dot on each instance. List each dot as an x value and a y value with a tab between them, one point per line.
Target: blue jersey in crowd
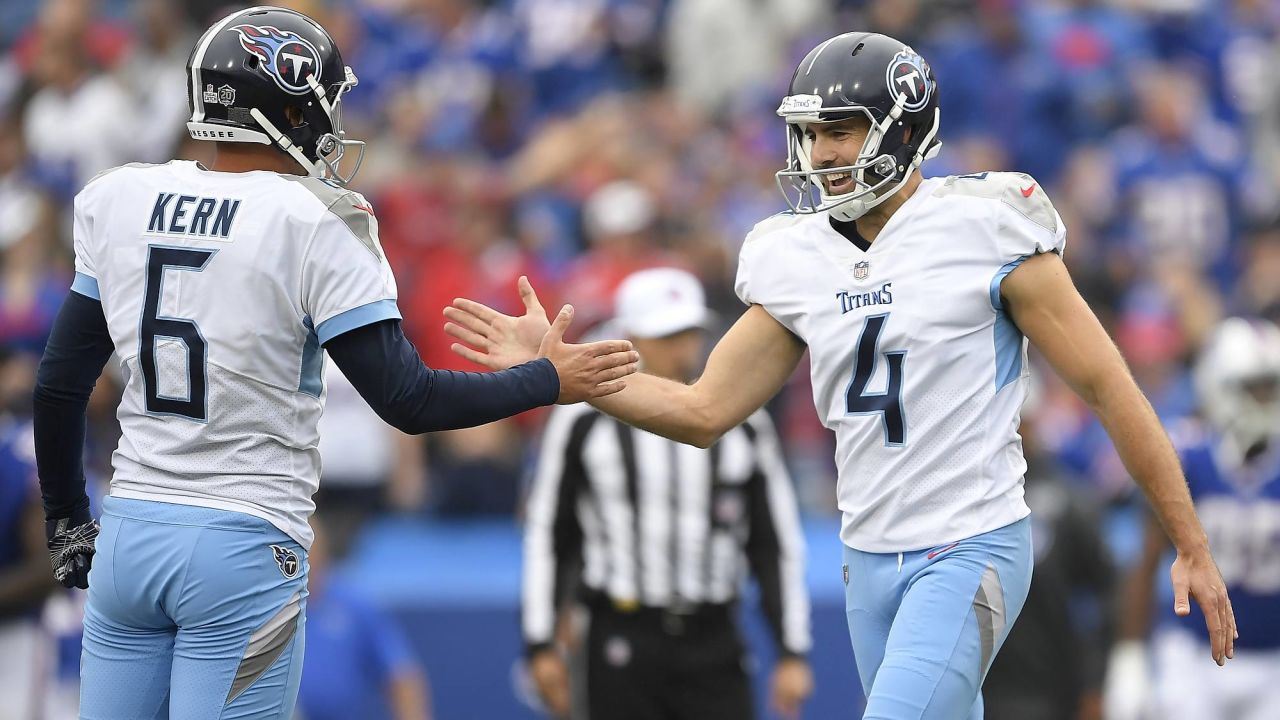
1240	511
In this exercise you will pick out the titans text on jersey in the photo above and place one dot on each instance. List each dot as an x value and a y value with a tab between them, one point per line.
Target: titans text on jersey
917	367
853	301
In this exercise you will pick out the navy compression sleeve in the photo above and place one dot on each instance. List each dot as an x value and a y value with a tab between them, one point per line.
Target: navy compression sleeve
79	346
385	369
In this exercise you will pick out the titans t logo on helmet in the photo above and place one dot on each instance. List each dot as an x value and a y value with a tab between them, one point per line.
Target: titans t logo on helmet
286	56
908	80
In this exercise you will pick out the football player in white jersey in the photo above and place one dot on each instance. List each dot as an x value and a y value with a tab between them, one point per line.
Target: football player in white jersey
220	289
914	298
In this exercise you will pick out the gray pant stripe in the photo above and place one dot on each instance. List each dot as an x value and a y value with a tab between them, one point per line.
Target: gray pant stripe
579	665
988	606
265	645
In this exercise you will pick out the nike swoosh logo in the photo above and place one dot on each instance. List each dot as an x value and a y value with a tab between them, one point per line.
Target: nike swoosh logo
936	553
1026	191
365	208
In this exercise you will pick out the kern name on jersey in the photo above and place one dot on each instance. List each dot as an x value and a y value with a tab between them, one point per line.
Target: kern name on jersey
1240	510
219	289
916	365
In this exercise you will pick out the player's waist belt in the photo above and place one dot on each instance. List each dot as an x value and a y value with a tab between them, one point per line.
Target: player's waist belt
676	619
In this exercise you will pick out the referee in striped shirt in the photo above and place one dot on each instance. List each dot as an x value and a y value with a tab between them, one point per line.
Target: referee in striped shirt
649	542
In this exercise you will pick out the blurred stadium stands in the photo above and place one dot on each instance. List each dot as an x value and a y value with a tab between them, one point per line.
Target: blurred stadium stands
497	128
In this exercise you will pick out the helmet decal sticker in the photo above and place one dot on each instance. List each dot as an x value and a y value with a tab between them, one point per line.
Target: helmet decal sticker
908	80
286	56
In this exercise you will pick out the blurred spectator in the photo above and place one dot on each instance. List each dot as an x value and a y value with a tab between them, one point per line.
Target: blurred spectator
153	72
619	221
1258	293
724	55
358	662
1095	48
24	561
1003	97
1180	178
79	121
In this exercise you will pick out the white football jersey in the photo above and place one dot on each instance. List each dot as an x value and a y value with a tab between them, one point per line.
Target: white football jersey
219	289
916	366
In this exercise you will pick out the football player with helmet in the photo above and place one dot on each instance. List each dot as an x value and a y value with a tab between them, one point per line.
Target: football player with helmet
220	289
915	298
1232	464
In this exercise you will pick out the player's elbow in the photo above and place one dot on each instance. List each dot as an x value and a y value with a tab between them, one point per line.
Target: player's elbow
703	438
707	426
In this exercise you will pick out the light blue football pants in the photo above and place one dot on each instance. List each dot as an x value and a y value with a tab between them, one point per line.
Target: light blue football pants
193	613
926	624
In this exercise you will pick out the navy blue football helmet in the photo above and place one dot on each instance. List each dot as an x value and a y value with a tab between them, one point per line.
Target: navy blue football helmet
854	74
273	76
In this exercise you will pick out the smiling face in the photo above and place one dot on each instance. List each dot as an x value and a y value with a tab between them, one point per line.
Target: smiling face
836	144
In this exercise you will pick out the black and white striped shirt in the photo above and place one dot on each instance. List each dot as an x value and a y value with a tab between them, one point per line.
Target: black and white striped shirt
655	523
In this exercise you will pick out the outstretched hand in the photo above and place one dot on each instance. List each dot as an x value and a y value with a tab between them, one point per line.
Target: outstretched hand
495	340
1196	576
498	341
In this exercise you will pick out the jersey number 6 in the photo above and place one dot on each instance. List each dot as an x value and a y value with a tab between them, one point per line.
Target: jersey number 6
888	403
153	326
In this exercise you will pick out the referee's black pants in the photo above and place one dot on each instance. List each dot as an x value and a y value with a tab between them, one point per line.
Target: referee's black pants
650	664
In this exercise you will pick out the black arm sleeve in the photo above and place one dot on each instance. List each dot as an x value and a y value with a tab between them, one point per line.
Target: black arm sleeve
79	346
385	369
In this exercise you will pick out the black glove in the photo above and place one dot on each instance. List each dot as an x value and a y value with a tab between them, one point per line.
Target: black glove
71	548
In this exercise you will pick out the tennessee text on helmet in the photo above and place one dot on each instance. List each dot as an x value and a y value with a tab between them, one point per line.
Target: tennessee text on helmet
851	75
273	76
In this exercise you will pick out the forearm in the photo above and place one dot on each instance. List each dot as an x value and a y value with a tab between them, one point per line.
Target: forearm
667	408
386	370
78	348
748	366
1148	455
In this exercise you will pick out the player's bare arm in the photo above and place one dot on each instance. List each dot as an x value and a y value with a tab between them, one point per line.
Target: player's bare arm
748	366
1050	312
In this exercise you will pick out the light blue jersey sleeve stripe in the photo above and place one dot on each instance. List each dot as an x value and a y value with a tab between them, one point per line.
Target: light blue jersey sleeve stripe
1008	338
86	285
999	278
357	317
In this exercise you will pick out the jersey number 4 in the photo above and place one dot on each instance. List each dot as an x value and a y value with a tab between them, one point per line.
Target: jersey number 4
154	326
888	403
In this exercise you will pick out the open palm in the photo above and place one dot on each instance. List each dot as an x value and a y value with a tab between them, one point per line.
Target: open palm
498	341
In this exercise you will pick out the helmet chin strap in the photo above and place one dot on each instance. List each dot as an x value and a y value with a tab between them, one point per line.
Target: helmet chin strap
283	142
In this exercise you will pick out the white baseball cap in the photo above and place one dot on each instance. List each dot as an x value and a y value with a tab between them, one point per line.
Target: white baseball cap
659	302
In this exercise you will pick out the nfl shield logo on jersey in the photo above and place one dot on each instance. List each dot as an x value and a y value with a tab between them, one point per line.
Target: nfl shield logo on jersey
861	270
286	559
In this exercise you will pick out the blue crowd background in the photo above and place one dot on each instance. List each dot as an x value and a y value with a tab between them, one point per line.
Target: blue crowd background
576	141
